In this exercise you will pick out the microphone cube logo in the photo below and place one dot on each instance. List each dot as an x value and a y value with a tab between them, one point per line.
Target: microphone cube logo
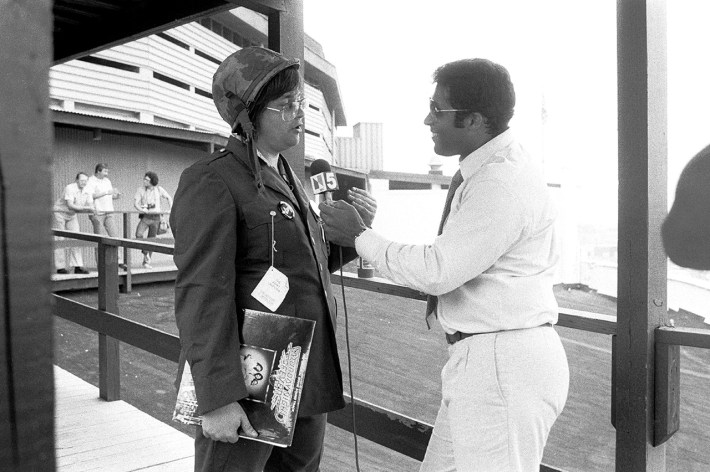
324	182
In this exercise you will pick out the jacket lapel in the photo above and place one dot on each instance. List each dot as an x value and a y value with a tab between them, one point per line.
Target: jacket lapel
298	191
277	184
269	176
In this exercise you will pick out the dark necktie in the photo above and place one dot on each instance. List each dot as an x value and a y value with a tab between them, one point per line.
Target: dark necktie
456	180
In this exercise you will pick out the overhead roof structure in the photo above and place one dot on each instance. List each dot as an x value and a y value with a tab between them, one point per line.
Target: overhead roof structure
85	26
82	27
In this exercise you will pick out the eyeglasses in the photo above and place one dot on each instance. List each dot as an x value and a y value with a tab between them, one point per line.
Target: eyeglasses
291	109
436	111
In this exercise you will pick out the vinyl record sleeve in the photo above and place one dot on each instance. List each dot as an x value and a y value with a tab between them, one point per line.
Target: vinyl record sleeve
274	352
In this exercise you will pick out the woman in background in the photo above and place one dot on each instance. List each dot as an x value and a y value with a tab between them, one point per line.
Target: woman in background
147	201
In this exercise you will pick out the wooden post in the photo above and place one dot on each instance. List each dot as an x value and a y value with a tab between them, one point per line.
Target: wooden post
126	287
26	372
667	394
641	306
109	358
286	36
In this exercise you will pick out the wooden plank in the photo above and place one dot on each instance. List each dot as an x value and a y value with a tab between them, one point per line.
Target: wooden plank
141	336
587	321
387	428
667	393
376	284
410	177
642	105
112	436
691	337
568	318
161	245
186	464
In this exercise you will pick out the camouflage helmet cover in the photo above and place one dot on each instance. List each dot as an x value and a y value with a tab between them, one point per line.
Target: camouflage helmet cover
240	77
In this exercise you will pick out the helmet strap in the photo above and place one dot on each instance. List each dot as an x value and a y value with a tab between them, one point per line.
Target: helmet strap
248	129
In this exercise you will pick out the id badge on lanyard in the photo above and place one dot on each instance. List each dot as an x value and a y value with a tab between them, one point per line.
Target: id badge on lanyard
274	286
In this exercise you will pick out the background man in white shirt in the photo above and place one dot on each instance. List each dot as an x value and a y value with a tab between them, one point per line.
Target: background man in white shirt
73	200
100	189
489	274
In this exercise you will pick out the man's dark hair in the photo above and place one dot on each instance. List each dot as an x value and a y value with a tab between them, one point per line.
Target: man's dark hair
153	178
479	85
285	81
79	175
99	167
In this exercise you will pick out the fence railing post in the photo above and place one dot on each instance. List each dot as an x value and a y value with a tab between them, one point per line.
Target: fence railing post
109	357
126	287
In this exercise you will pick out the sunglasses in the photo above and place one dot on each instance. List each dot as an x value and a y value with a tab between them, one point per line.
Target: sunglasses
437	112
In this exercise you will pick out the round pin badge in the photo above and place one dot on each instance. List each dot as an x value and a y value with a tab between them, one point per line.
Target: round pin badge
287	210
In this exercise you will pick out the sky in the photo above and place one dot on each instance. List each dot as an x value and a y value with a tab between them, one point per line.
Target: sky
561	55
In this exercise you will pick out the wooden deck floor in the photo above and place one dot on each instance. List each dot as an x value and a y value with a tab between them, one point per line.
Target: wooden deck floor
95	435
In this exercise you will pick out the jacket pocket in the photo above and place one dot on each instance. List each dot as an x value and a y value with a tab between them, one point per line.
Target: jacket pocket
255	240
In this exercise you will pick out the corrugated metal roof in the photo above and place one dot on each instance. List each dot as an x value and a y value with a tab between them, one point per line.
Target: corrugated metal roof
89	120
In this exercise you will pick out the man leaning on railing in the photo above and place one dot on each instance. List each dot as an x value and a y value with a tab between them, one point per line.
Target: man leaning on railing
66	207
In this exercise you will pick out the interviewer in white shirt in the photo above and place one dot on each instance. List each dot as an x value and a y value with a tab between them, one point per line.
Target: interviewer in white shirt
490	276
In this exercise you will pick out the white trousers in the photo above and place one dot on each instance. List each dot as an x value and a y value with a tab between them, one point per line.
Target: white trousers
501	394
62	221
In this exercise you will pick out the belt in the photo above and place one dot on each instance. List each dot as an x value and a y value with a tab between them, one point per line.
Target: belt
458	335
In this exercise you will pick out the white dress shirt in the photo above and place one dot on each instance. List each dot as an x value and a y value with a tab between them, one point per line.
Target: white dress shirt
72	194
104	203
493	265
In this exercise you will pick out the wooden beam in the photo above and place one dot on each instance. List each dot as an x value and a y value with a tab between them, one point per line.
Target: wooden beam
410	177
144	337
667	393
26	379
286	36
641	305
264	7
691	337
137	20
387	428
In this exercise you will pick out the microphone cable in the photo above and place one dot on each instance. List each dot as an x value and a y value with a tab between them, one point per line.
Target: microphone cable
350	369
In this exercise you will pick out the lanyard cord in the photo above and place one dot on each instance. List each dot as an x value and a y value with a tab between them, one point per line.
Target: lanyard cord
350	369
273	241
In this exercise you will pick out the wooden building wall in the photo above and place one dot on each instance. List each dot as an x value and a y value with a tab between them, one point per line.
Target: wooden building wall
129	157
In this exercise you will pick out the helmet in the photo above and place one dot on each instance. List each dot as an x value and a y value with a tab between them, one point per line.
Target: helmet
240	77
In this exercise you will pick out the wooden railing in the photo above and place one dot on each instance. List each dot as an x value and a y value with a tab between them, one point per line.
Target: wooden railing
390	429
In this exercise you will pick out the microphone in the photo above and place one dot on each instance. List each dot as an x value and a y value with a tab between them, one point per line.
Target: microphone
323	179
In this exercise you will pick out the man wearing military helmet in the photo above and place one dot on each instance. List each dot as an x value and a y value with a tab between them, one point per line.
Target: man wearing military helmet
240	215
